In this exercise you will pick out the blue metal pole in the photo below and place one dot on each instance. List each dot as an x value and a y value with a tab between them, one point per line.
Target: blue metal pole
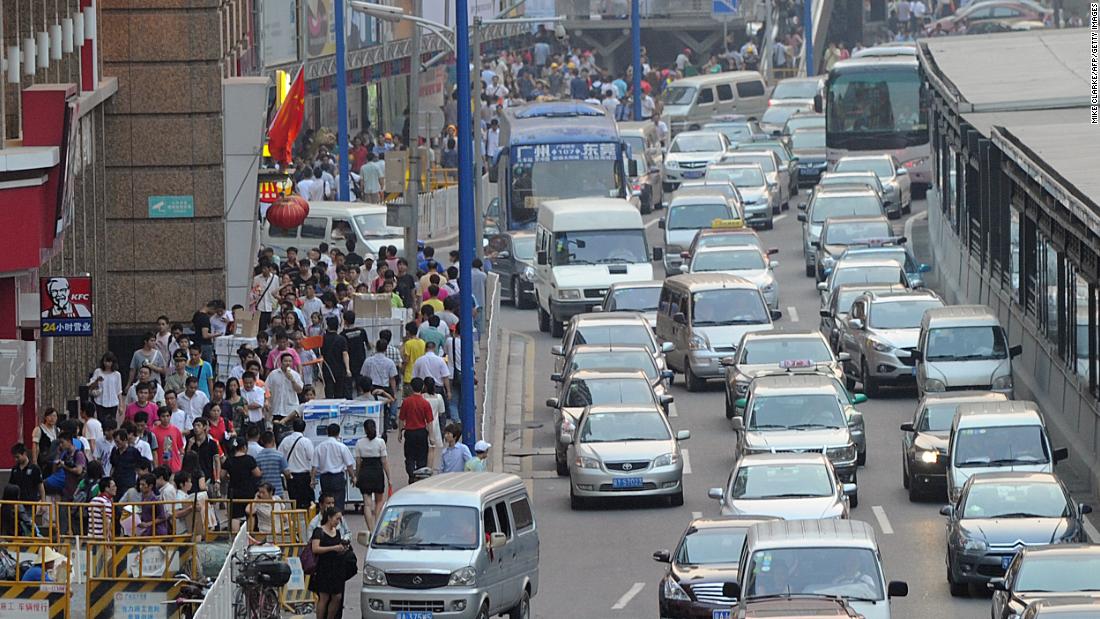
808	28
342	104
636	50
467	236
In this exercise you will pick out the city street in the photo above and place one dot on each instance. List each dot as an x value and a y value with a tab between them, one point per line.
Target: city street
597	563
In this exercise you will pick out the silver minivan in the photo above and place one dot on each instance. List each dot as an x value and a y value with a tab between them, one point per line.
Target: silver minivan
454	545
964	347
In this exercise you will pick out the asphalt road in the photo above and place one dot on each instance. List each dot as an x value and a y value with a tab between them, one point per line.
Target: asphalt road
597	563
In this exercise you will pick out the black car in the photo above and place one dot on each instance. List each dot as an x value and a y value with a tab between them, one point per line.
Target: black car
1047	573
704	561
808	147
999	514
513	256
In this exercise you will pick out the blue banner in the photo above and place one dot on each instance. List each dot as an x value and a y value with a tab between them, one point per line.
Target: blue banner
582	151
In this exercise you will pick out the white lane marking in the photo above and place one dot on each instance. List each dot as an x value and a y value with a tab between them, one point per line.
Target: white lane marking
634	590
687	461
652	222
672	410
792	311
1094	535
779	218
696	515
883	521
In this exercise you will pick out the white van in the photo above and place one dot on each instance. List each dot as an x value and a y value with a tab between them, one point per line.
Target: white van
694	101
998	437
332	223
453	545
964	347
582	246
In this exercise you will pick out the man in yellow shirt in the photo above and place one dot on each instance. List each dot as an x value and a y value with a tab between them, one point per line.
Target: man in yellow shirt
411	350
433	299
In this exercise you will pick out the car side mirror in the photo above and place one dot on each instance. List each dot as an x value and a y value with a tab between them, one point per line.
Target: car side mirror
844	356
815	244
685	255
683	435
1084	508
667	347
553	403
916	355
772	251
825	313
776	314
802	206
908	427
741	402
566	438
849	488
773	264
557	350
731	590
540	257
684	268
902	172
1060	454
727	361
667	400
632	167
597	308
363	538
855	323
662	556
802	217
1016	351
818	104
897	589
859	398
924	268
556	377
715	493
997	584
738	424
497	540
658	254
822	286
947	510
679	318
661	223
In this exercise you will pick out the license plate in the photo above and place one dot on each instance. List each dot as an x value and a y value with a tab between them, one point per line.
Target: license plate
626	482
696	174
721	614
1005	561
413	614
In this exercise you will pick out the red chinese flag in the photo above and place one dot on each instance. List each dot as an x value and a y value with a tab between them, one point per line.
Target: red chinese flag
287	122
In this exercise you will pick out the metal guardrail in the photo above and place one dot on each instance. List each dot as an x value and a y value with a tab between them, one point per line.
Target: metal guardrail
218	603
489	350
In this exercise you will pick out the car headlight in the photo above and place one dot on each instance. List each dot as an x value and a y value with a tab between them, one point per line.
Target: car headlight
971	544
566	294
673	591
928	456
463	577
881	346
1003	382
666	460
584	462
528	274
699	342
373	576
672	163
841	454
933	384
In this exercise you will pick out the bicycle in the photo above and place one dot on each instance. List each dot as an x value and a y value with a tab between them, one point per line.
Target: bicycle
192	595
260	573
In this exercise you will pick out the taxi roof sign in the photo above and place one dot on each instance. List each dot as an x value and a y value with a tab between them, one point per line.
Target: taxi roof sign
727	223
789	364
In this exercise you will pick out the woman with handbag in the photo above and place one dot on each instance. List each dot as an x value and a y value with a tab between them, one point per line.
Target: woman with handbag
373	472
330	574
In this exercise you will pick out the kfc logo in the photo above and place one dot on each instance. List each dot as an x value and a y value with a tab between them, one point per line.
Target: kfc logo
66	305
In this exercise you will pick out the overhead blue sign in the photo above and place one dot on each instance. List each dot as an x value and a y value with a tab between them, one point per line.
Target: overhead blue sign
583	151
725	7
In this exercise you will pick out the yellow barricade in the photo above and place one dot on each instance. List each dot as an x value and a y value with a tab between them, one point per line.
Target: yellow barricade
27	521
291	535
50	595
128	520
135	577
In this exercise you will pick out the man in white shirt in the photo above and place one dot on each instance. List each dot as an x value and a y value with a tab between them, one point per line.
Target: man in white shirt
191	402
93	429
371	176
285	384
299	452
145	375
492	139
430	364
333	465
254	398
264	293
312	189
496	90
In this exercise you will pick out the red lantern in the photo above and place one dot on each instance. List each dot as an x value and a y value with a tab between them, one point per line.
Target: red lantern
288	212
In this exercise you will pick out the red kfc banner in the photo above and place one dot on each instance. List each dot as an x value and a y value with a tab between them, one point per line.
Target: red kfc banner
66	304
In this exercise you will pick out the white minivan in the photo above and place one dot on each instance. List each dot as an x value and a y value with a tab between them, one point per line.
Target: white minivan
453	545
582	246
333	223
963	347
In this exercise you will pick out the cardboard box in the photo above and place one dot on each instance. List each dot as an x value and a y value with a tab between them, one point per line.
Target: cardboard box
372	305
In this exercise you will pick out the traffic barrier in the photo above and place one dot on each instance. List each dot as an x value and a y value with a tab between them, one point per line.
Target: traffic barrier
48	597
27	521
134	577
291	535
218	603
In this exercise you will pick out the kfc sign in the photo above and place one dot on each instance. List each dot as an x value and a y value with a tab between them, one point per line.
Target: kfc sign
66	304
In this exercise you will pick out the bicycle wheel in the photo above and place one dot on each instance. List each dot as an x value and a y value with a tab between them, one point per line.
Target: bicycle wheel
240	603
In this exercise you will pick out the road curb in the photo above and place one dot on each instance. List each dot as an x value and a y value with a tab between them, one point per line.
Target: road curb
500	386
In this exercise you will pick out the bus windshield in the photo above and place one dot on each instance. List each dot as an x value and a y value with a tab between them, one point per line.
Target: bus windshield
876	108
534	183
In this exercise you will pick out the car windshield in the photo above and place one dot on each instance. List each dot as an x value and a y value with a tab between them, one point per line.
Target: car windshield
697	216
847	572
679	95
735	260
781	481
734	132
808	140
937	417
803	411
881	167
900	315
805	121
867	275
632	334
1059	574
643	299
711	308
869	182
712	546
625	426
597	391
1015	500
741	177
600	247
966	344
764	160
696	143
768	350
848	233
796	89
777	148
524	247
778	114
618	360
825	206
428	526
374	226
999	446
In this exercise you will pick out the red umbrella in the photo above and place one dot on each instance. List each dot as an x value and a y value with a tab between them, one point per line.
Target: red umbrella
288	212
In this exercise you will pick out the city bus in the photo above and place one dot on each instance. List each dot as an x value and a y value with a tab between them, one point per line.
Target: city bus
877	104
550	151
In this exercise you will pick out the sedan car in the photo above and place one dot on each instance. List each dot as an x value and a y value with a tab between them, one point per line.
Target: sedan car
727	234
776	171
736	129
580	389
998	10
1069	608
853	180
797	91
611	357
744	261
704	560
514	260
609	329
808	148
862	271
765	352
688	214
1064	571
625	451
893	176
834	202
786	160
759	198
892	250
801	120
690	153
792	486
924	440
773	119
838	233
880	336
997	515
641	297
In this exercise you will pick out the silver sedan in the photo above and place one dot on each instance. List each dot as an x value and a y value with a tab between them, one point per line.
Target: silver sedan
790	486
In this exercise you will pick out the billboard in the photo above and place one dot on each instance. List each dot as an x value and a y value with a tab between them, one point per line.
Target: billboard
320	29
66	305
280	32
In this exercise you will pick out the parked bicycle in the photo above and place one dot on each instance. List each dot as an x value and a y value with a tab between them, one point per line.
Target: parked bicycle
192	593
259	573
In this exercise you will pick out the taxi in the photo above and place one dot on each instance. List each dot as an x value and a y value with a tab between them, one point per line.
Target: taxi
726	233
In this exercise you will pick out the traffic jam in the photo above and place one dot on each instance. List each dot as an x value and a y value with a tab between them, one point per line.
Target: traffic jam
673	286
